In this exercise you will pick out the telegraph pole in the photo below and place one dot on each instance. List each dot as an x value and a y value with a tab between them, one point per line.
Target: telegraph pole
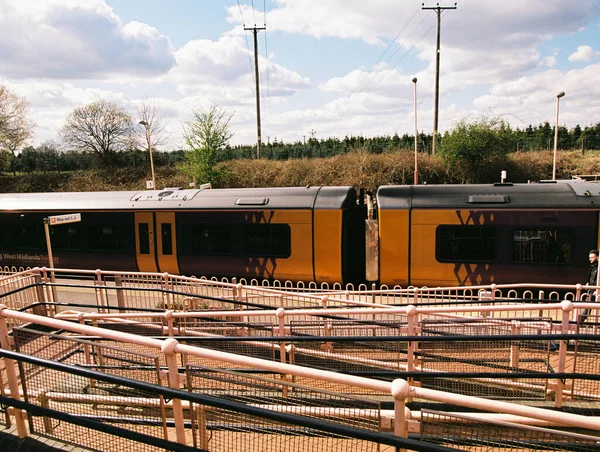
255	31
438	9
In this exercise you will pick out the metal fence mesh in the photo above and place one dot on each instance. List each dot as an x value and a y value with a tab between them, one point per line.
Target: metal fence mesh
467	433
224	430
479	357
93	399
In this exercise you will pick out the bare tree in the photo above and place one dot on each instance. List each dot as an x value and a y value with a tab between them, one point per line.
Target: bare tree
152	133
15	126
100	127
149	114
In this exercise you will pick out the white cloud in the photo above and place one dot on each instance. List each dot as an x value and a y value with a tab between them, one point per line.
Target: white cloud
60	39
493	60
583	53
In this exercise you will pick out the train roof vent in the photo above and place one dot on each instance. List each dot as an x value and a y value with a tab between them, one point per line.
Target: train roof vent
252	201
488	199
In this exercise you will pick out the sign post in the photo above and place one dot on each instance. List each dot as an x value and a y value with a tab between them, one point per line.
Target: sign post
53	221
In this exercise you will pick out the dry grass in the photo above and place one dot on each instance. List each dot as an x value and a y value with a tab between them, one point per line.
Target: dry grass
359	169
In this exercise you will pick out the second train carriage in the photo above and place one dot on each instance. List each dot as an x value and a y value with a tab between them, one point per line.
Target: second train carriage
451	235
299	234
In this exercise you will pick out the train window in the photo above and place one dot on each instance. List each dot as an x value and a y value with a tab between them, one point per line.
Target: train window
105	238
167	240
144	238
466	243
29	236
542	245
211	239
65	237
267	240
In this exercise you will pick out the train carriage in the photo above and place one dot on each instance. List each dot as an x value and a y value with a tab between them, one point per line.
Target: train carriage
300	234
449	235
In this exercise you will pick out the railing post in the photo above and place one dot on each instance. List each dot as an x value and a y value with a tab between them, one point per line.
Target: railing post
566	307
515	328
234	290
240	293
169	319
280	313
120	293
412	313
373	289
49	289
41	295
44	403
98	283
324	301
202	427
169	349
166	294
11	375
86	348
400	392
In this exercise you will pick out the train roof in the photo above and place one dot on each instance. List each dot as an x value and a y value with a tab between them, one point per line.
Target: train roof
174	199
540	195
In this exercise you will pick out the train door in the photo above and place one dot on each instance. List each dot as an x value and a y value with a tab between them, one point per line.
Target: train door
145	247
156	242
166	242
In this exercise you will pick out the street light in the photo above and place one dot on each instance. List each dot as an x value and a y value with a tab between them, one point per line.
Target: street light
558	96
147	126
416	176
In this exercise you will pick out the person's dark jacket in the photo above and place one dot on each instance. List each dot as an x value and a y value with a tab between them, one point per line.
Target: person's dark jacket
593	274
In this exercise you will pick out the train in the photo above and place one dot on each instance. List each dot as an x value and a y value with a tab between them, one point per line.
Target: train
402	235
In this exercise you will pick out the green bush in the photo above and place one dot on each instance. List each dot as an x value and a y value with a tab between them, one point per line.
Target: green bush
478	147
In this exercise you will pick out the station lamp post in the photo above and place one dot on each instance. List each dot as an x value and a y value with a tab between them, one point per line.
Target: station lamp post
558	96
416	176
147	126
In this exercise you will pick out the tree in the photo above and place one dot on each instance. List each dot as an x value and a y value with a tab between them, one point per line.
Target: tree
151	134
5	159
206	137
476	145
102	128
49	155
15	127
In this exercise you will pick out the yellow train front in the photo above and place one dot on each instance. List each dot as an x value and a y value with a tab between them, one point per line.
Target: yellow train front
297	234
452	235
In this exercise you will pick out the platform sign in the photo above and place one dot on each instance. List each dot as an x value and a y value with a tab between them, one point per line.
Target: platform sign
53	221
64	219
149	185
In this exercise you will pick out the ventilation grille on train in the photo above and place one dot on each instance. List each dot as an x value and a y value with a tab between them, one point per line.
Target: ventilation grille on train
488	199
252	201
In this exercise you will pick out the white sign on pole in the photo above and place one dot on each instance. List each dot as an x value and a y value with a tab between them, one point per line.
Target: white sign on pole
64	219
149	184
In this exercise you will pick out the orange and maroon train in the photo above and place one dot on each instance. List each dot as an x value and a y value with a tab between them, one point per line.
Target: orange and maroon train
433	235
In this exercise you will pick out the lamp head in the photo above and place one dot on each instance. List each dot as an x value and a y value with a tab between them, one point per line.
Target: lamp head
561	94
414	79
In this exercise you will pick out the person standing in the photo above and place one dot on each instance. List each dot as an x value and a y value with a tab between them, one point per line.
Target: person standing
592	281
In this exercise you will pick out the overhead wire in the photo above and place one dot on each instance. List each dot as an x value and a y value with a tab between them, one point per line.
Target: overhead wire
373	82
268	103
385	51
247	44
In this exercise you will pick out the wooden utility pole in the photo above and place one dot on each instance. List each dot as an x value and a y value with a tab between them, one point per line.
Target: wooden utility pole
255	31
438	9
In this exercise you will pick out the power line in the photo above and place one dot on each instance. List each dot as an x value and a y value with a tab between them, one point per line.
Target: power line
438	9
384	52
246	36
376	80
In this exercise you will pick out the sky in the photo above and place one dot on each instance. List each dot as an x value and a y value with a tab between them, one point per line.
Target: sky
327	68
